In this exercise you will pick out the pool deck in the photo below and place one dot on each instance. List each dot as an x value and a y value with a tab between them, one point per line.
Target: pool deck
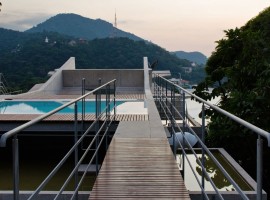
136	95
46	96
69	117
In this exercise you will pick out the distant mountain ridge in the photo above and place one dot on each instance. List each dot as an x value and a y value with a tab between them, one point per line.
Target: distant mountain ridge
81	27
195	56
32	57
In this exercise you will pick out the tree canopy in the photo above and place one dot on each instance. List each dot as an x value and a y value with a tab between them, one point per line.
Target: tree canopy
239	71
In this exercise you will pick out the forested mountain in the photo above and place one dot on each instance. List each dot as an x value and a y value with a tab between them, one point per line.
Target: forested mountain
195	56
26	58
81	27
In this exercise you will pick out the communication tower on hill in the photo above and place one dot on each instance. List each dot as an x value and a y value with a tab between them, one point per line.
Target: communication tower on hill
114	31
115	20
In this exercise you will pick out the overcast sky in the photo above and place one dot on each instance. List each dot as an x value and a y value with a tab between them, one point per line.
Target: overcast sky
188	25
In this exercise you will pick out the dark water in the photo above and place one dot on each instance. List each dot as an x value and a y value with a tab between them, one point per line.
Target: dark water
216	175
38	156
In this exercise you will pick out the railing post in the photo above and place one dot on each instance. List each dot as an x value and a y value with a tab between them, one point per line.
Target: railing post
159	93
98	97
171	120
184	129
259	167
184	110
83	100
107	114
16	177
83	105
114	104
76	149
166	110
203	151
154	81
174	120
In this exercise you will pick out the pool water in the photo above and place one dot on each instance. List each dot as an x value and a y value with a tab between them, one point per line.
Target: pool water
41	107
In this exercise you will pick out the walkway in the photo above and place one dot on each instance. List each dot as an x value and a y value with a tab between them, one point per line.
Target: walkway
139	166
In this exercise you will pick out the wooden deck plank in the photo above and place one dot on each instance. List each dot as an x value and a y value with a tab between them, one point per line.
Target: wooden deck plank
45	96
139	168
68	117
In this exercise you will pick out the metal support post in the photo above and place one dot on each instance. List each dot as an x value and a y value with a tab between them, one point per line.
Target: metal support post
171	121
174	120
83	105
114	104
155	86
203	151
166	102
83	100
159	93
184	110
107	114
184	129
76	149
259	167
98	109
15	147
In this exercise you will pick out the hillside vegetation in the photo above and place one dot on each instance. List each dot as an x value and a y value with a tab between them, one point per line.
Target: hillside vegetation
239	70
196	57
81	27
25	58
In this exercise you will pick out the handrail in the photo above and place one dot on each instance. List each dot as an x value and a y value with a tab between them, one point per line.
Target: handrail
12	132
95	126
208	152
161	88
248	125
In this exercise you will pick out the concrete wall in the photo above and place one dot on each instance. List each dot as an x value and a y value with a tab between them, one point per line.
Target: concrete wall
155	123
124	77
55	83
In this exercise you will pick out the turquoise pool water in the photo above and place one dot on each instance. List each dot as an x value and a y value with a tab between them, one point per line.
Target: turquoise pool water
41	107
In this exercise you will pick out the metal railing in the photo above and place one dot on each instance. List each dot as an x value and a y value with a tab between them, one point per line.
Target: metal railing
100	127
167	94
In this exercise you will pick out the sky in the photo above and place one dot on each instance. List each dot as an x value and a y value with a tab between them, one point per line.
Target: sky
187	25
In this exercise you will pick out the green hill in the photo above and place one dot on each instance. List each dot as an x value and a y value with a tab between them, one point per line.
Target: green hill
81	27
196	57
26	58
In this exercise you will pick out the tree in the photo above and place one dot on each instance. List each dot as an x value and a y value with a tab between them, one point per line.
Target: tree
239	70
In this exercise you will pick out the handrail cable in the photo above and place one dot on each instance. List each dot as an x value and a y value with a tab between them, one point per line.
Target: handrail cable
210	154
100	113
158	86
231	116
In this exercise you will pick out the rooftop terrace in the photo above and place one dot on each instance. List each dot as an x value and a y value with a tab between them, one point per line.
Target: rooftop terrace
139	162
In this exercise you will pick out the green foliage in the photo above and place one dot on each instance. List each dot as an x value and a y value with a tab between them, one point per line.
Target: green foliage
239	71
25	59
81	27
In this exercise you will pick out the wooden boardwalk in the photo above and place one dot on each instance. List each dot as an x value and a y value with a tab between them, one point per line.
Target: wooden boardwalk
139	167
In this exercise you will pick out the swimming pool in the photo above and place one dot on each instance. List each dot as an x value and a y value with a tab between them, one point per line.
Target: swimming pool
41	107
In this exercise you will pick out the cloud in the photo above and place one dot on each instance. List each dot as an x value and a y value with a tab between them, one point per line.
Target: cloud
22	21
